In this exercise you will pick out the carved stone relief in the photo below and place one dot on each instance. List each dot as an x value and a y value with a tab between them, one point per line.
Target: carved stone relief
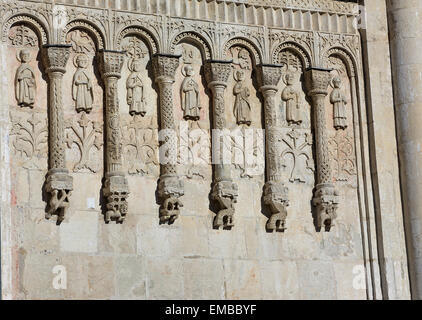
189	92
84	87
87	136
29	138
338	99
242	107
140	145
194	150
296	156
137	92
25	83
243	95
23	36
343	157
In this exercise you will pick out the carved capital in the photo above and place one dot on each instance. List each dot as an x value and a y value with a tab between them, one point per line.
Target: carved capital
55	57
225	193
217	73
170	189
317	81
326	201
111	63
276	198
269	75
165	66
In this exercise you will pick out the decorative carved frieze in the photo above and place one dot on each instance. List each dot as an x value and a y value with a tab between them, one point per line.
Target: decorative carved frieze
325	195
170	187
116	189
59	183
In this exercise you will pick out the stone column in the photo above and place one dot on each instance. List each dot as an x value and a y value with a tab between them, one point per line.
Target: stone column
59	183
275	192
116	189
170	186
224	191
325	198
405	26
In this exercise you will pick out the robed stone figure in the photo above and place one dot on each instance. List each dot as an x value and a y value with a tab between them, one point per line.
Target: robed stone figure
25	85
338	99
291	97
242	107
190	95
135	90
82	89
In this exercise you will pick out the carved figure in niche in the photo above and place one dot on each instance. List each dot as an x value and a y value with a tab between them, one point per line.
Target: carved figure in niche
135	89
292	98
190	95
242	107
338	99
25	84
82	86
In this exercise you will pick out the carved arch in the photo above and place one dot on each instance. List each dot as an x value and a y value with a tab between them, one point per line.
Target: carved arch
297	49
89	27
344	55
195	39
149	39
39	27
247	44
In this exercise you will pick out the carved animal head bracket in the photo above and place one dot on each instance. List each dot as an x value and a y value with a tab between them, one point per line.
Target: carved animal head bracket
276	198
170	189
116	191
59	185
326	201
225	193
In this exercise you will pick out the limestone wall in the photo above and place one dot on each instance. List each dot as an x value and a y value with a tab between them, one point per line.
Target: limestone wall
307	86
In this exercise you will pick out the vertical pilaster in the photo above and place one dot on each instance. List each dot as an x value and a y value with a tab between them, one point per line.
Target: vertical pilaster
116	189
405	26
170	186
59	183
224	191
325	195
275	192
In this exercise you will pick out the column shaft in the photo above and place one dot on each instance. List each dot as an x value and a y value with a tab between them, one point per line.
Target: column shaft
59	183
170	186
116	189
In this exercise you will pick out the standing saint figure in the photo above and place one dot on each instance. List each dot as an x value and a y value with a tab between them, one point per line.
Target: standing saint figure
338	99
82	86
135	89
242	107
190	95
25	84
292	98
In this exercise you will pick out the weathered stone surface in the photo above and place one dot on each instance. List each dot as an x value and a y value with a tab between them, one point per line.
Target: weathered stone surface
311	210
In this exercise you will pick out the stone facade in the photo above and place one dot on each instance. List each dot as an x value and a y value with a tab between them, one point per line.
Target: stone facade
115	120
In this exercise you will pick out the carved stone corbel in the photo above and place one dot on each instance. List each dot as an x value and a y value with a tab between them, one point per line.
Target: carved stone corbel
326	198
170	186
59	183
275	192
225	191
115	189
